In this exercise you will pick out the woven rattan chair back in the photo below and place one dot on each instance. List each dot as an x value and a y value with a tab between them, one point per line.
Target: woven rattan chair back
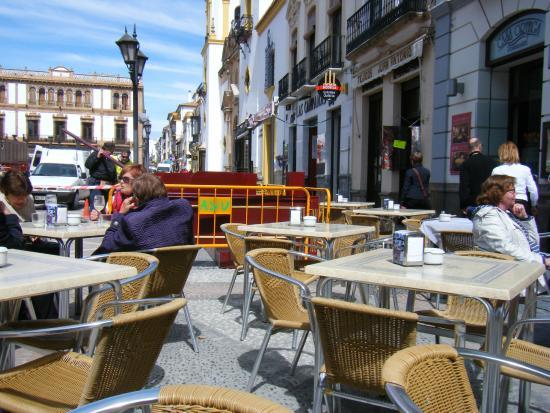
253	243
126	352
174	266
457	241
235	241
132	290
200	398
337	215
360	219
412	224
357	339
434	378
281	299
344	246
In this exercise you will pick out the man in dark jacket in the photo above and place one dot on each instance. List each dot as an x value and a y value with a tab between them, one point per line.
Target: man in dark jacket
149	219
473	172
102	169
11	235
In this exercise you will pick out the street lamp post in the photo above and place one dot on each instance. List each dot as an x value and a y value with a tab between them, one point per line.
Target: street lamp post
135	61
147	129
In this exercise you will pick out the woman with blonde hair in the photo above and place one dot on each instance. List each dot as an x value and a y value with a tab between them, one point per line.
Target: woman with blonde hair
508	155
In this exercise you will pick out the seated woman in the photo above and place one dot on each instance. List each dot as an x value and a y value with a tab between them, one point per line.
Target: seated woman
11	235
124	189
15	193
148	219
502	225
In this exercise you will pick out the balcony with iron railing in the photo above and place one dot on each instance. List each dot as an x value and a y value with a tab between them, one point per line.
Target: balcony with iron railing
376	15
241	28
283	87
328	54
299	74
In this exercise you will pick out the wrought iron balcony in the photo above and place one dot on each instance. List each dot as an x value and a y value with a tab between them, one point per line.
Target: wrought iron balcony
326	55
299	74
283	87
241	28
376	15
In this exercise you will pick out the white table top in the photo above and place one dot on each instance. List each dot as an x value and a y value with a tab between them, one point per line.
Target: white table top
469	276
32	273
348	205
432	227
405	212
84	230
320	230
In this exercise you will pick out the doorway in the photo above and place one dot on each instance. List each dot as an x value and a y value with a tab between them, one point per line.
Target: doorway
311	133
374	172
525	101
410	116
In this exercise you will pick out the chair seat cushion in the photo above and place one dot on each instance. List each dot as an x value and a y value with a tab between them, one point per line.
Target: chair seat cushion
64	341
53	383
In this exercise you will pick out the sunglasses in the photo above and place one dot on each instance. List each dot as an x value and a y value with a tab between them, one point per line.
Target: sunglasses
126	180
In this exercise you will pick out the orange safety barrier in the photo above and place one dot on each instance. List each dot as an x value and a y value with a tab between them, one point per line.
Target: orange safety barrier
323	212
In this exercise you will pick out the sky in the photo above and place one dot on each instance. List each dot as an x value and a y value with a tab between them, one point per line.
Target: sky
81	35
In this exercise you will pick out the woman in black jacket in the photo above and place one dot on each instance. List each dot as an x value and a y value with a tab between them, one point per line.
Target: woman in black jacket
416	193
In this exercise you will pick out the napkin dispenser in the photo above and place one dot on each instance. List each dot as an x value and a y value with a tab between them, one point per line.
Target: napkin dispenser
408	248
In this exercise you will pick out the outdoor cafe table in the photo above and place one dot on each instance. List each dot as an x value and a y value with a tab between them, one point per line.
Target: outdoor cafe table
482	278
432	228
66	234
328	232
394	213
348	205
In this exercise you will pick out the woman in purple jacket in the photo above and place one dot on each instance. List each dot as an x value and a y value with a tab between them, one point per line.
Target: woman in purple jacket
149	219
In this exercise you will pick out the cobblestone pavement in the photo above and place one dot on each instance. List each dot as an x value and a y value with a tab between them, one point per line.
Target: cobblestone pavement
224	360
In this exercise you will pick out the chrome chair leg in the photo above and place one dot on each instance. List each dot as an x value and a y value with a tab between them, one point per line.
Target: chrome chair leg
230	289
298	352
249	296
258	361
190	326
294	339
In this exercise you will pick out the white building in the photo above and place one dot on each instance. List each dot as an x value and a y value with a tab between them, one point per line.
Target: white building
36	106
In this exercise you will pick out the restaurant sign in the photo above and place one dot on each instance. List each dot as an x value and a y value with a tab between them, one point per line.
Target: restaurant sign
215	205
329	88
517	36
398	58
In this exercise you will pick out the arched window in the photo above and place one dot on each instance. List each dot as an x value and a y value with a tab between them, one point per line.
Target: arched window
69	98
116	98
87	98
125	101
32	96
60	95
78	98
51	94
42	96
3	94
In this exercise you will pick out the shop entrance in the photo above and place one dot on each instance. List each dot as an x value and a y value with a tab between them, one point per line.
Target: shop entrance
524	115
311	133
374	172
410	117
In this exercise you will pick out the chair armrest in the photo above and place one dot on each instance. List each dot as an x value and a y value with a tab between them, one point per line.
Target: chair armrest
304	255
139	302
99	257
401	399
235	234
121	402
459	326
52	331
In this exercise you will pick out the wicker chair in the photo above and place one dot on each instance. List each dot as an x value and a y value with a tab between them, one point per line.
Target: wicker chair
186	398
136	287
360	219
470	310
235	241
433	378
356	340
457	241
128	346
282	298
337	215
169	281
412	224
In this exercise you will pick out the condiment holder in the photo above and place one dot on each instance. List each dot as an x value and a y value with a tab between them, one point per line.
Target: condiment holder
73	218
443	217
433	256
310	221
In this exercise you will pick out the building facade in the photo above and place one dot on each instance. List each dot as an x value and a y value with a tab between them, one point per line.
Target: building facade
492	81
36	106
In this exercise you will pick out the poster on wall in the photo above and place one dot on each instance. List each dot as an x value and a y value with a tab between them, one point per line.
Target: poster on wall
460	135
389	134
321	154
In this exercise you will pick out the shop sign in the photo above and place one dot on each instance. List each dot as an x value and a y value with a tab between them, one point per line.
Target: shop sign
519	35
329	88
393	61
309	105
460	136
215	205
263	114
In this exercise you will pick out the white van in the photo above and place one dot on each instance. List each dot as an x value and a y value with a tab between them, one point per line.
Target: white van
52	169
164	167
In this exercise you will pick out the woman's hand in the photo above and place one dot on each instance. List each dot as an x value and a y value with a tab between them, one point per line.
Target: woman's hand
4	209
127	205
519	211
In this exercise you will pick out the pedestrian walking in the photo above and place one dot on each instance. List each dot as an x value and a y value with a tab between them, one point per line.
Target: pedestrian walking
416	187
473	172
526	189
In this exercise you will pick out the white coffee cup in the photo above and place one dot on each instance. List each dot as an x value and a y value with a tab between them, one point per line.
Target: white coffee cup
3	256
73	218
310	220
444	217
433	256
